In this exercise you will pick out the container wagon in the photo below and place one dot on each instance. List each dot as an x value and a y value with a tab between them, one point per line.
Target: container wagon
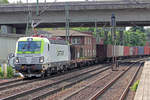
126	51
146	50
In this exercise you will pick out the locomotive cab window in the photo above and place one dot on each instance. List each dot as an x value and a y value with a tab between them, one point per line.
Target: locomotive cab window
29	47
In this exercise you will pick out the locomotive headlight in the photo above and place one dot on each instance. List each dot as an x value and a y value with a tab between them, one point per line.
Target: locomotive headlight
41	59
17	60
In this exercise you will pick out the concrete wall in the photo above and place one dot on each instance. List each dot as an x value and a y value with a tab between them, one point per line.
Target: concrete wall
7	45
6	29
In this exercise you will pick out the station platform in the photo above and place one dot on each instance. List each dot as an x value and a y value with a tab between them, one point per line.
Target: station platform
143	90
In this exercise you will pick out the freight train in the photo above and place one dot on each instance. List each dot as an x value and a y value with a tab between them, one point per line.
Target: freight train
41	56
105	52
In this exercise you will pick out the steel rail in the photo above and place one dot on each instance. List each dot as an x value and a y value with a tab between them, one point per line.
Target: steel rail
66	86
76	92
131	81
16	84
94	97
22	94
12	81
5	86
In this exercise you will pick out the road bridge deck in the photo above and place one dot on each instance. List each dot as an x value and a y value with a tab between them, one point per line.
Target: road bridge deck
81	14
143	90
75	6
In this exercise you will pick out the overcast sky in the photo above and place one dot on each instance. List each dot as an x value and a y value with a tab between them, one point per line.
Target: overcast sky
33	1
12	1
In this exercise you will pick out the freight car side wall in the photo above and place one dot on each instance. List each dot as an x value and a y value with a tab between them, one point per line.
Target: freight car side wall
101	51
121	50
7	46
135	51
126	51
131	51
146	50
106	51
118	51
140	50
109	51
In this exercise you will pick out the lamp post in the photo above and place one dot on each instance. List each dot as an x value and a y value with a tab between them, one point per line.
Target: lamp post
37	8
113	32
67	22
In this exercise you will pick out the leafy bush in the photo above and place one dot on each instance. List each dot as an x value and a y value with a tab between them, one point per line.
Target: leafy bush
10	72
135	85
1	73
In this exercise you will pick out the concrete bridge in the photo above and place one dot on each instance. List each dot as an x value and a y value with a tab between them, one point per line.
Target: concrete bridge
128	13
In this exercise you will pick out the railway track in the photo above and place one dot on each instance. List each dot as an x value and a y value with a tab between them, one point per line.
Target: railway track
123	96
56	85
15	84
113	93
131	93
11	81
86	80
19	82
72	83
34	90
87	91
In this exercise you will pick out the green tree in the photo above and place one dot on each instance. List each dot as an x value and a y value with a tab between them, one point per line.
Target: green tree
4	2
135	28
147	30
10	72
136	37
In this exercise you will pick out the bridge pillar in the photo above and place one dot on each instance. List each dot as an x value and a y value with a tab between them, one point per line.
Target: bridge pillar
20	31
5	29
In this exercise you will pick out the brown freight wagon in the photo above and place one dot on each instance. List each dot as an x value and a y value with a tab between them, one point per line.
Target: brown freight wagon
101	52
77	57
73	52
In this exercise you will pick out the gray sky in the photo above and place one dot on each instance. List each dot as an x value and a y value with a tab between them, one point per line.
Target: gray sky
31	1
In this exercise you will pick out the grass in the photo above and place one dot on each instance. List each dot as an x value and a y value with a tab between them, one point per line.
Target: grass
1	73
10	72
135	85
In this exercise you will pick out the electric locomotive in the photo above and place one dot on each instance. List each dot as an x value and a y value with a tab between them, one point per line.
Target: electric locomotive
40	56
